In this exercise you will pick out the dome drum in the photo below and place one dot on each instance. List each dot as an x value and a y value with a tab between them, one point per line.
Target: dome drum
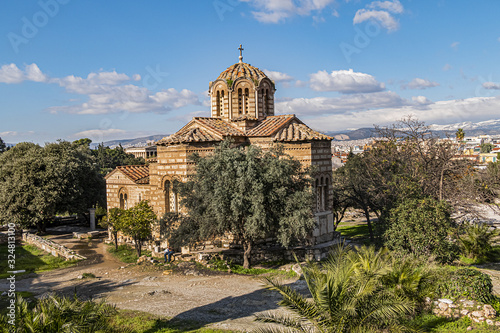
242	91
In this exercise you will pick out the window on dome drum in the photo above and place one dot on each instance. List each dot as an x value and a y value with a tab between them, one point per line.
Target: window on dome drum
246	98
221	104
240	101
217	112
266	101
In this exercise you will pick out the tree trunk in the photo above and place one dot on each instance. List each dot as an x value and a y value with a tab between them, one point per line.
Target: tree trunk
138	247
247	248
116	240
441	185
41	226
367	215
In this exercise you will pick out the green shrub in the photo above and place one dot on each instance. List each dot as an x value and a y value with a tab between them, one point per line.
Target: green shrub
421	227
475	242
59	314
465	282
219	264
88	276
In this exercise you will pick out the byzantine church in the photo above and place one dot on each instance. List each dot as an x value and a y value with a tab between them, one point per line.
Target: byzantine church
242	109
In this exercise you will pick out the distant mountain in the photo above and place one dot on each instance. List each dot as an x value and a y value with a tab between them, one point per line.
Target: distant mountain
126	143
488	127
357	134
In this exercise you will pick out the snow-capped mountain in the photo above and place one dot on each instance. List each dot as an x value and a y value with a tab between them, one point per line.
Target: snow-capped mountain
493	124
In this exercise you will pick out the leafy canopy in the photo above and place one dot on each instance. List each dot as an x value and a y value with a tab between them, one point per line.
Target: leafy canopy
250	193
136	222
421	227
37	182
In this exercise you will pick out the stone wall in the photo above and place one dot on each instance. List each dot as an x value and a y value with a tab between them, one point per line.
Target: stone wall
477	312
51	247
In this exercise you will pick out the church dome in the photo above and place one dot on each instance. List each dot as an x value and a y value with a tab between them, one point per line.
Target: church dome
242	70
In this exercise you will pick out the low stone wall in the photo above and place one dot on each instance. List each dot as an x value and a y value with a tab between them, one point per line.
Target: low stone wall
57	250
263	250
477	312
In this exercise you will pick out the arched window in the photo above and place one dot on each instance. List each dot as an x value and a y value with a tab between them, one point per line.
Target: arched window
221	104
325	193
246	98
217	112
123	199
240	101
166	189
318	195
265	101
322	194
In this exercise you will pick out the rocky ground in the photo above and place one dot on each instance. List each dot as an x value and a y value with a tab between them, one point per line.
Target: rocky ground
224	300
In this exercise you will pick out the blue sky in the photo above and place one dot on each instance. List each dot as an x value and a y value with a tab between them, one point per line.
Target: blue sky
123	69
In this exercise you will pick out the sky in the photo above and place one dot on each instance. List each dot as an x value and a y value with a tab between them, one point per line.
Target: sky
111	69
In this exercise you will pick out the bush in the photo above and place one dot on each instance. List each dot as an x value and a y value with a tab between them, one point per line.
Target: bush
475	242
465	282
421	227
59	314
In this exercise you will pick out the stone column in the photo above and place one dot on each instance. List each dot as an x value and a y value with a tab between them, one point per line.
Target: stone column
92	218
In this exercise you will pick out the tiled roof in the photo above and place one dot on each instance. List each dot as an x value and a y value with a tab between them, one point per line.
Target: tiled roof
299	132
137	173
270	125
192	135
242	70
219	126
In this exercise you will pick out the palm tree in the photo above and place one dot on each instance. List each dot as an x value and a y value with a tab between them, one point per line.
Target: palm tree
347	296
460	134
60	314
476	240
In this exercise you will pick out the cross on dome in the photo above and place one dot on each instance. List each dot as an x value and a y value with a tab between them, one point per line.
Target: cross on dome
241	53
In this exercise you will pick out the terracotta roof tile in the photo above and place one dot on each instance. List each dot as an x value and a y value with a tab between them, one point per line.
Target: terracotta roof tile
299	132
137	173
242	70
270	125
219	126
192	135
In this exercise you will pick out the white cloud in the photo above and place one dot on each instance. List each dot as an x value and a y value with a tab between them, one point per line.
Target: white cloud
339	105
491	85
12	74
107	92
454	45
392	6
278	76
384	18
300	83
275	11
100	135
338	117
15	133
346	82
421	100
447	67
99	132
419	83
380	12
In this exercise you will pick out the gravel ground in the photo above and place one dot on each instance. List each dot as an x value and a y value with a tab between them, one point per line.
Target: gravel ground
223	300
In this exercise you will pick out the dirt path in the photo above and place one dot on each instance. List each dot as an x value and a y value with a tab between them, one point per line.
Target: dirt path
225	301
